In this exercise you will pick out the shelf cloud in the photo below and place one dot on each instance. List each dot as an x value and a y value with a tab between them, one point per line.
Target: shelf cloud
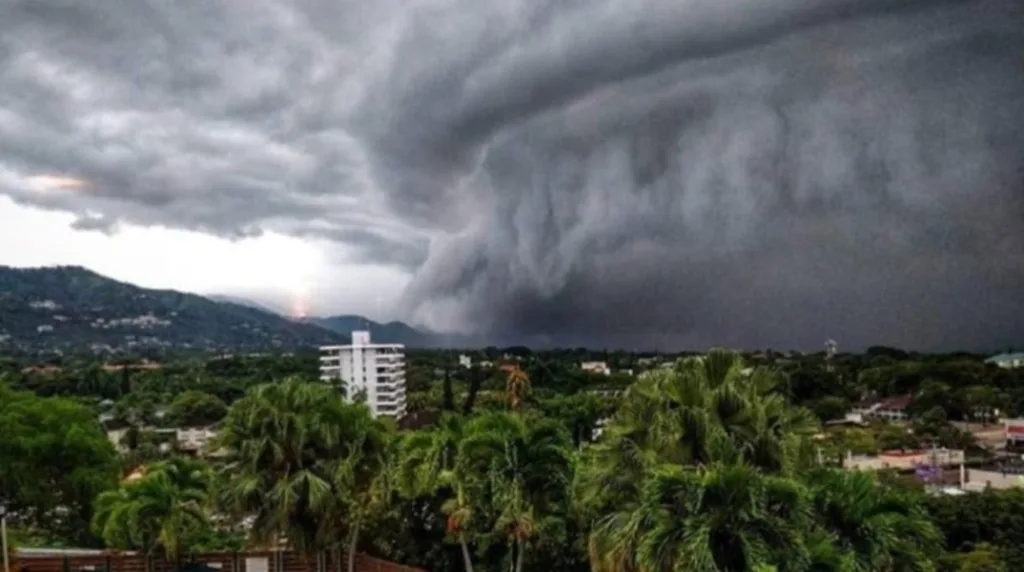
660	173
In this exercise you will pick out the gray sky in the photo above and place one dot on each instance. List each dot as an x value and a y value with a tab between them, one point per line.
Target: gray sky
633	173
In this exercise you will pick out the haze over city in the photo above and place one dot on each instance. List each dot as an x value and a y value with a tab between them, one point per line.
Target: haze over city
659	173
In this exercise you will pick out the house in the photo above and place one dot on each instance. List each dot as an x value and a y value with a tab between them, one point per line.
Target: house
1004	474
1008	360
465	361
887	409
598	367
851	419
1013	431
195	439
904	460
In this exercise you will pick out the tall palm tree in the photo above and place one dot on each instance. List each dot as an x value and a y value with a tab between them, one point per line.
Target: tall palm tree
298	457
157	511
528	463
424	455
362	477
428	461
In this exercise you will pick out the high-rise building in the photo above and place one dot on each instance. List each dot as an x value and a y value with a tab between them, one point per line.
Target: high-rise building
369	372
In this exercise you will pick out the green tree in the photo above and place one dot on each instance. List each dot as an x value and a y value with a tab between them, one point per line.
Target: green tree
705	468
878	528
196	408
300	461
431	462
991	516
55	459
727	517
361	476
984	558
159	511
831	407
524	468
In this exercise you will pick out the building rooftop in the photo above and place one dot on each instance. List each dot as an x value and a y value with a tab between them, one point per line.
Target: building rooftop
892	403
896	402
1015	356
361	339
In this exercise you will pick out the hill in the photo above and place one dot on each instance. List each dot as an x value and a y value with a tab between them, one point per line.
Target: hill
243	302
70	308
389	333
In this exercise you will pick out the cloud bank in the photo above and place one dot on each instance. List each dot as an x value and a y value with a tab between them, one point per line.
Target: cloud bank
603	172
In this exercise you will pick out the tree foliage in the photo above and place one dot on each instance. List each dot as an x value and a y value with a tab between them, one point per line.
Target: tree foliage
54	460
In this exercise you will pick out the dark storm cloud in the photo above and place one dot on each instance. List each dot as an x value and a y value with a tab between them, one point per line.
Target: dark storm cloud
661	174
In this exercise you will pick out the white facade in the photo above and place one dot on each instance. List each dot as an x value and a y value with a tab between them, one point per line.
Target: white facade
375	372
598	367
1008	361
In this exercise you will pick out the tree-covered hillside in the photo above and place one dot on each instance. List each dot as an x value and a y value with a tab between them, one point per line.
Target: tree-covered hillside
70	308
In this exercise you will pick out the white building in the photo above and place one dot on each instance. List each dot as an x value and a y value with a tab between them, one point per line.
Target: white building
598	367
374	372
1007	361
465	361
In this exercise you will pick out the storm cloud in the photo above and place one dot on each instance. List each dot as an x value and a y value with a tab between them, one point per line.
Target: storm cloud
661	173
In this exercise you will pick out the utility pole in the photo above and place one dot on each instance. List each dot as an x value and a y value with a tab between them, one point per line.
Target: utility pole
3	540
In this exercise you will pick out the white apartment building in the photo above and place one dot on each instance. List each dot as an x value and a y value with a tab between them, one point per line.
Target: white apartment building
374	372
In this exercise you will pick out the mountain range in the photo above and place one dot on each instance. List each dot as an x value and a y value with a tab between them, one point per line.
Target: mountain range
70	308
394	332
389	333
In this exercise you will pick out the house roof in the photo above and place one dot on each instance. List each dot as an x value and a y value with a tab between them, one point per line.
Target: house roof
867	403
1017	356
896	402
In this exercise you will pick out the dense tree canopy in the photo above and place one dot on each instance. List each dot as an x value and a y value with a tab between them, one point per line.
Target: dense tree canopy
713	462
54	460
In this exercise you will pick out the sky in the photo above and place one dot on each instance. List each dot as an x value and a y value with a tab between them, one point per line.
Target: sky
642	173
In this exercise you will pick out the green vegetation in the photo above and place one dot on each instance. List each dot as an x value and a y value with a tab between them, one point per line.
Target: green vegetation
71	308
709	463
54	460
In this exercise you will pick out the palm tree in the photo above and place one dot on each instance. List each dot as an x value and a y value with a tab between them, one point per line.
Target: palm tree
517	385
727	518
428	461
689	429
298	454
361	478
708	467
425	455
156	511
527	463
881	528
705	410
